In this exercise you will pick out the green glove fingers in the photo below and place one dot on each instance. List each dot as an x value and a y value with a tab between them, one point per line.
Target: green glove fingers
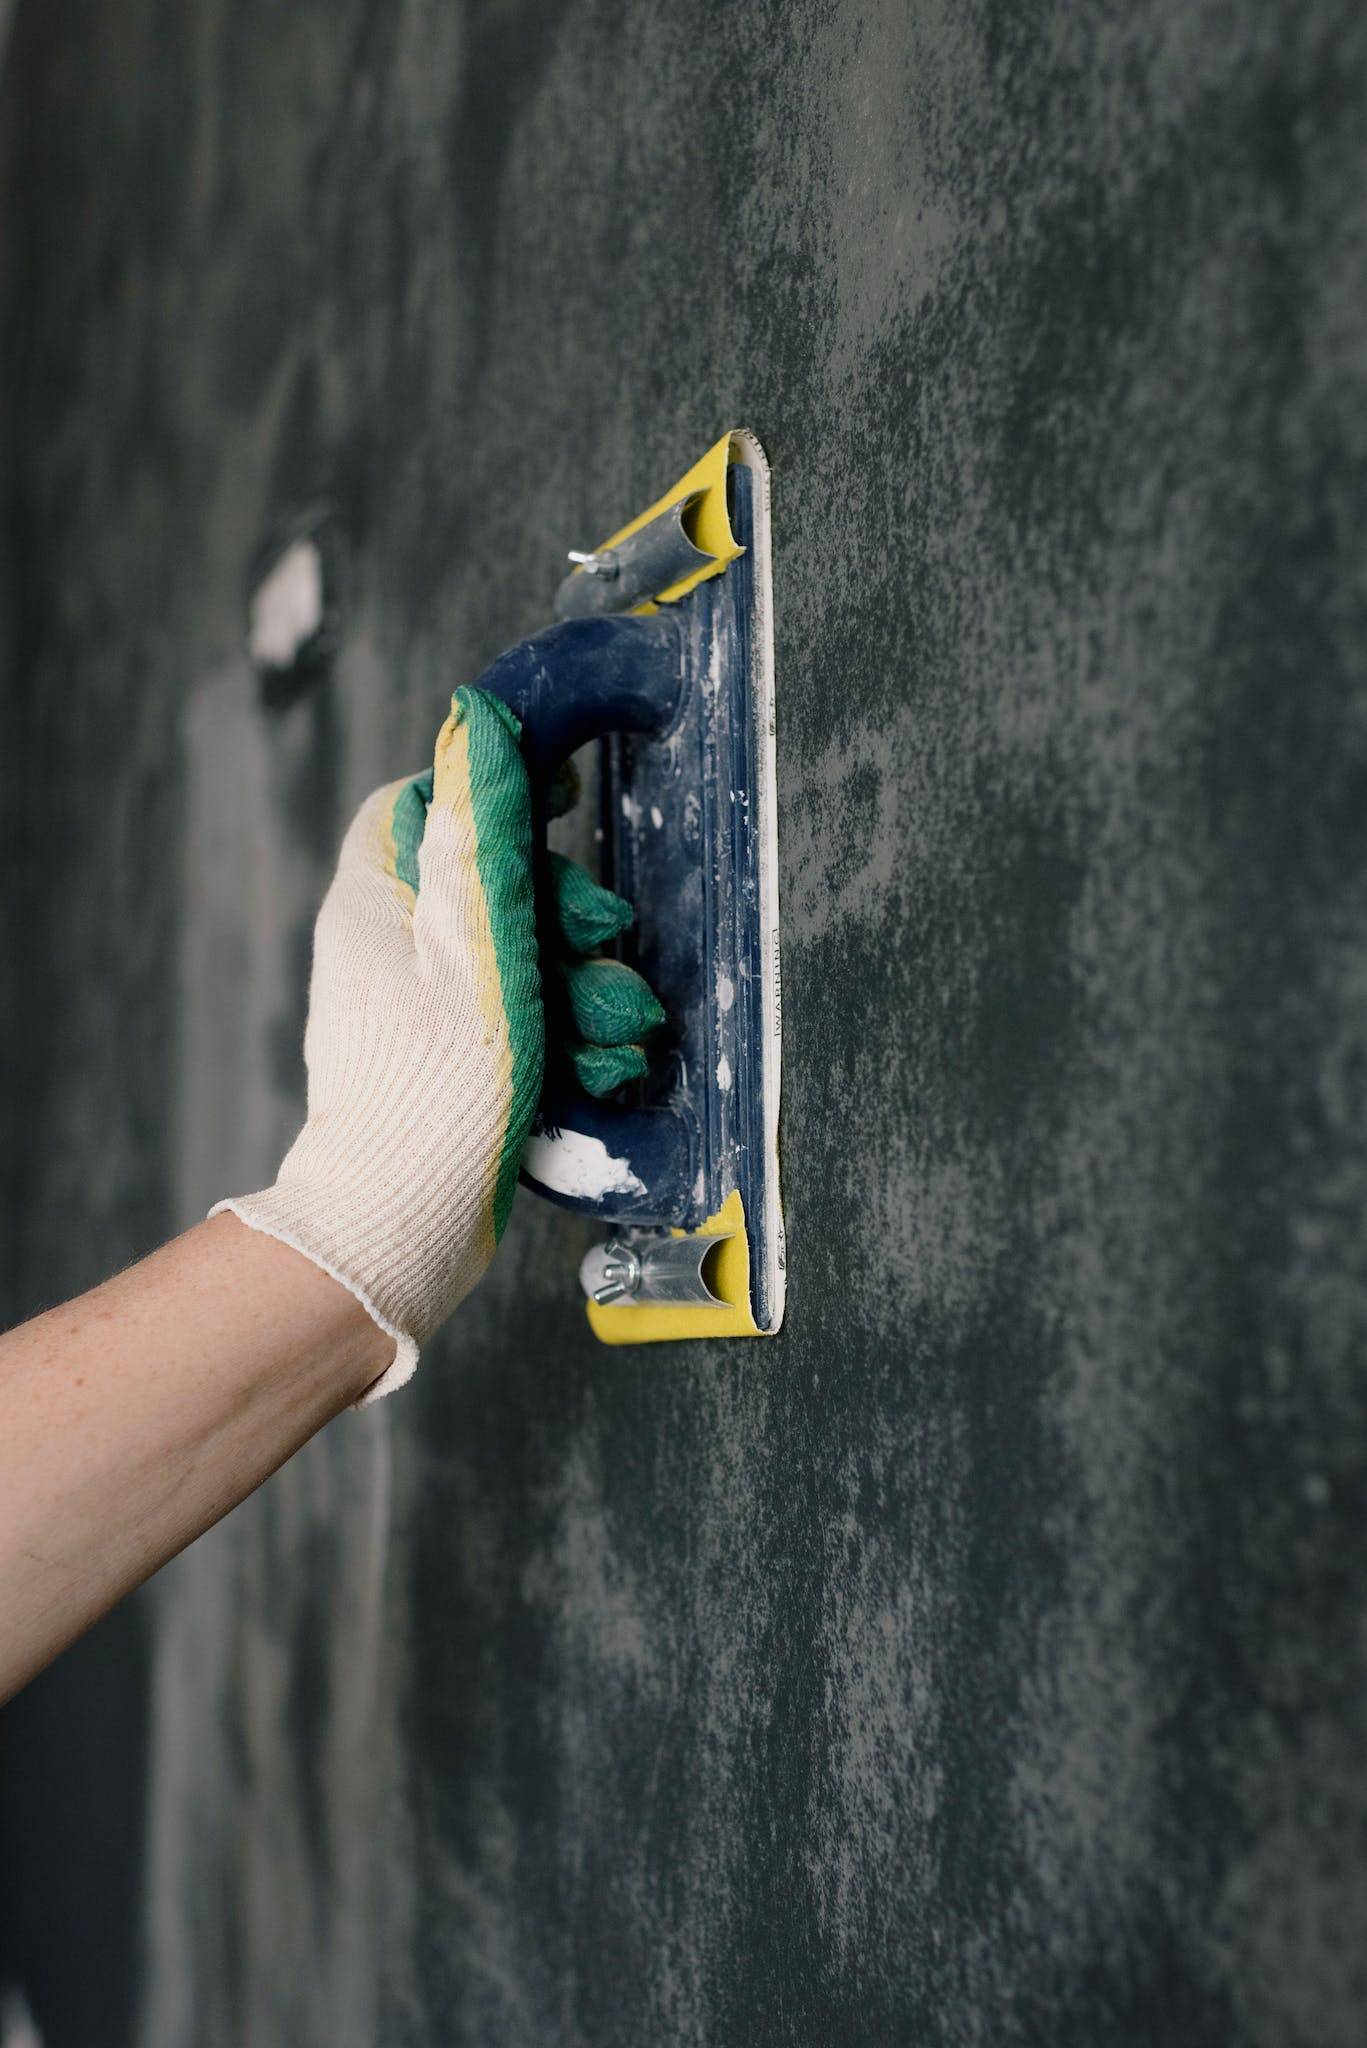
478	772
610	1003
601	1069
612	1007
589	915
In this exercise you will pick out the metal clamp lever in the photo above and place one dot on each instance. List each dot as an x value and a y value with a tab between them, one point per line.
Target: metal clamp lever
646	562
651	1269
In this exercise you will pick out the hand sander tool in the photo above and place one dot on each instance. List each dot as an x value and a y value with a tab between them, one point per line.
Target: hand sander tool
662	652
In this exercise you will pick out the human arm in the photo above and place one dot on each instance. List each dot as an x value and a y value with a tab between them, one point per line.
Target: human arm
133	1418
137	1415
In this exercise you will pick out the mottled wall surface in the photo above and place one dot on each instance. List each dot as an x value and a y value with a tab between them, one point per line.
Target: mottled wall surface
984	1659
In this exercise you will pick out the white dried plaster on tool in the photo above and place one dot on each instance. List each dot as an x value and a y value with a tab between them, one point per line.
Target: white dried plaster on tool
572	1163
287	607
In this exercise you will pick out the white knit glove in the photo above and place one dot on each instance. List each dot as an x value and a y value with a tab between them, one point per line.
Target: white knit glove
424	1040
424	1045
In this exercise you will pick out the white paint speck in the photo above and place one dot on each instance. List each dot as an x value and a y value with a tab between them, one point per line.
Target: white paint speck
572	1163
726	992
287	608
723	1073
657	816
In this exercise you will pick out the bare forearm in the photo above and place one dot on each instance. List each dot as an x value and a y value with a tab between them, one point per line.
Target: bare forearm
135	1417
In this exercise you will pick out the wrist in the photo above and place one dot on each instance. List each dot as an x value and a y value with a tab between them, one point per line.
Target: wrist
313	1314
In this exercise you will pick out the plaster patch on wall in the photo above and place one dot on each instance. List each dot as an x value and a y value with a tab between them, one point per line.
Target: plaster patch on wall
246	1874
234	961
303	1652
876	1813
18	2029
597	1605
287	607
845	838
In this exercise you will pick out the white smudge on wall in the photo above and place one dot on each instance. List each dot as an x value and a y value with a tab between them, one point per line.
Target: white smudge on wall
287	609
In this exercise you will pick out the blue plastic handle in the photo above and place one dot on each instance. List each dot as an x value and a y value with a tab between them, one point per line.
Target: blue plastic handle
575	682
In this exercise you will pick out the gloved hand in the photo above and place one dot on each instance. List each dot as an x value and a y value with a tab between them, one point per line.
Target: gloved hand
425	1039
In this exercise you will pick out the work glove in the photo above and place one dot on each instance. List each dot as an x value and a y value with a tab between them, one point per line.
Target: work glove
425	1043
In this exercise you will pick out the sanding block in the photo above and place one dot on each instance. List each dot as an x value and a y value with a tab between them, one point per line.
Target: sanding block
662	651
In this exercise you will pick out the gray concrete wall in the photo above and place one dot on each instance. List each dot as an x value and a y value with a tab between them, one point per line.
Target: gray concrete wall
983	1660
